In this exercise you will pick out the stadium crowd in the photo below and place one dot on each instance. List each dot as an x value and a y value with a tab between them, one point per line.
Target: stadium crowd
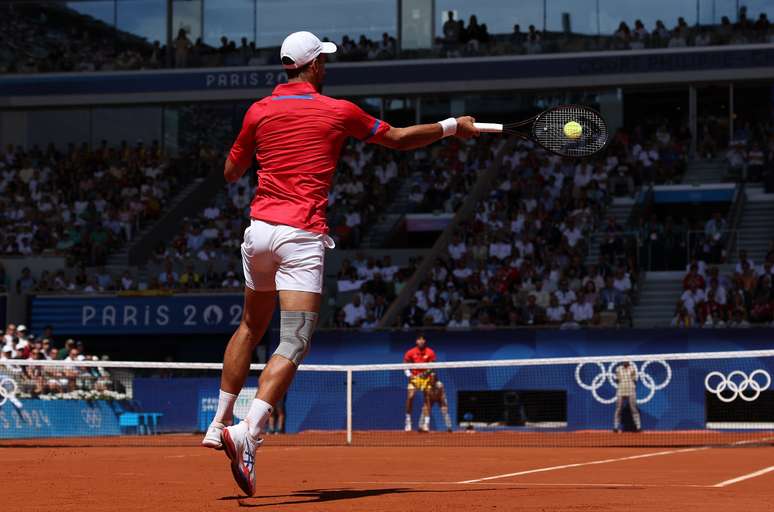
750	155
522	260
61	382
52	37
372	284
440	178
82	202
742	298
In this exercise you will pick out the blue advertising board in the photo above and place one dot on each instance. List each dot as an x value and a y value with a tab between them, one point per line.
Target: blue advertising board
358	347
671	395
174	314
58	418
396	72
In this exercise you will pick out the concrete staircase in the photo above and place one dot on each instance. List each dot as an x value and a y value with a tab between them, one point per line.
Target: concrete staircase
756	227
700	172
621	210
380	231
659	292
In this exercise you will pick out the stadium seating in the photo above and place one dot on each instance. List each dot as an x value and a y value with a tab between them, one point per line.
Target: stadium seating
40	40
82	202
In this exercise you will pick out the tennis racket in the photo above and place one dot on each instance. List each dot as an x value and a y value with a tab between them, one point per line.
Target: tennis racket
567	130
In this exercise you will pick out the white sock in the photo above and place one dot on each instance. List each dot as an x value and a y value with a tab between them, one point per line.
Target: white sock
408	419
257	416
225	412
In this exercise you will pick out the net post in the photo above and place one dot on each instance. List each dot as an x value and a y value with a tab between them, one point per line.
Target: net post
349	407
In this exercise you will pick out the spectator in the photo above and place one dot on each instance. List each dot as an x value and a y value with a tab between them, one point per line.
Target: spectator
182	48
555	313
451	30
532	314
683	316
412	315
738	320
564	294
737	160
715	233
354	312
230	281
26	283
458	321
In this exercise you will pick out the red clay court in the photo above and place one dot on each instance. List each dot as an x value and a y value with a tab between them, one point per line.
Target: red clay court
86	476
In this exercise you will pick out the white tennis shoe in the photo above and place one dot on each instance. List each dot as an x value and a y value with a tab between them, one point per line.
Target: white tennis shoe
212	439
407	427
241	448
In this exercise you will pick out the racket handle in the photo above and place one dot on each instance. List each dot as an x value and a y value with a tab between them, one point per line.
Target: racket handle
489	127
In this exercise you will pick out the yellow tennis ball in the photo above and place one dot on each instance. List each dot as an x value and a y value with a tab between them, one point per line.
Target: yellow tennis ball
573	130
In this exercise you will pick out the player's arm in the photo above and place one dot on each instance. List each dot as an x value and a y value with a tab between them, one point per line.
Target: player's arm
407	359
242	152
359	124
421	135
233	171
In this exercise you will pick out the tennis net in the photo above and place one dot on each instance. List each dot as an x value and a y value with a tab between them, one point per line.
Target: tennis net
713	398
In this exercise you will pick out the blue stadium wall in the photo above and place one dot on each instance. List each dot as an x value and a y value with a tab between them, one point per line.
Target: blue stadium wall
317	400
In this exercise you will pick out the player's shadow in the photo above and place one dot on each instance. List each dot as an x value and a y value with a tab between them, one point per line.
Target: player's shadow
326	495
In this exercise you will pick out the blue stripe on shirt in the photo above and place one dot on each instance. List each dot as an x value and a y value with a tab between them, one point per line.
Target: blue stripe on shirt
374	129
293	97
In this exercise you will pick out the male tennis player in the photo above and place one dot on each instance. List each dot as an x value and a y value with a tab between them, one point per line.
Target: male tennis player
626	376
419	379
296	135
434	393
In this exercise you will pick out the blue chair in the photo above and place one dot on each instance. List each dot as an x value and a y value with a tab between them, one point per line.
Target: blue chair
128	420
150	421
144	423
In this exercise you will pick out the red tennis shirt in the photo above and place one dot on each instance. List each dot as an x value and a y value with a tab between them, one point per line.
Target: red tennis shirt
296	134
415	355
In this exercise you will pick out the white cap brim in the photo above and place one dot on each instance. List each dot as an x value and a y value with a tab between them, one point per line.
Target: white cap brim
328	47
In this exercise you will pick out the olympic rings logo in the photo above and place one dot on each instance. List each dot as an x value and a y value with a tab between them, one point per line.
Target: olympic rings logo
608	375
92	417
8	389
737	387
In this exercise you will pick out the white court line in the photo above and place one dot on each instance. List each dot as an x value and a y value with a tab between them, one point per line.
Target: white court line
752	441
523	485
745	477
581	464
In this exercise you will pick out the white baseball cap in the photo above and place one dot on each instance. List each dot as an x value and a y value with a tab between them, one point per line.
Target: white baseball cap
302	48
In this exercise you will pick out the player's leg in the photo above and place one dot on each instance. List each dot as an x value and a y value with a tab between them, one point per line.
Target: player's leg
445	411
299	259
409	404
271	425
424	419
617	414
297	322
256	315
280	425
635	412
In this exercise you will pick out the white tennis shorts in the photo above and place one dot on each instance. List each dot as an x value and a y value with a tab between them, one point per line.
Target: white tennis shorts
278	257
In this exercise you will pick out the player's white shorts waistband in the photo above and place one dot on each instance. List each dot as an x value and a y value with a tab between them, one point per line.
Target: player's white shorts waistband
279	257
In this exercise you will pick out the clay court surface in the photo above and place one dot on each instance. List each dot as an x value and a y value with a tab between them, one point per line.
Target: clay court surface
69	477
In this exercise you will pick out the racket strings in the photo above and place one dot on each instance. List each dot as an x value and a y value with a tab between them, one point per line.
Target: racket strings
549	131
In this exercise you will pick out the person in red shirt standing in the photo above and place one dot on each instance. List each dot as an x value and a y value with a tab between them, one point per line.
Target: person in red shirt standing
296	135
419	379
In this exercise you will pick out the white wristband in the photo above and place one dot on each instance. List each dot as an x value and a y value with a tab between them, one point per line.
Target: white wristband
449	126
